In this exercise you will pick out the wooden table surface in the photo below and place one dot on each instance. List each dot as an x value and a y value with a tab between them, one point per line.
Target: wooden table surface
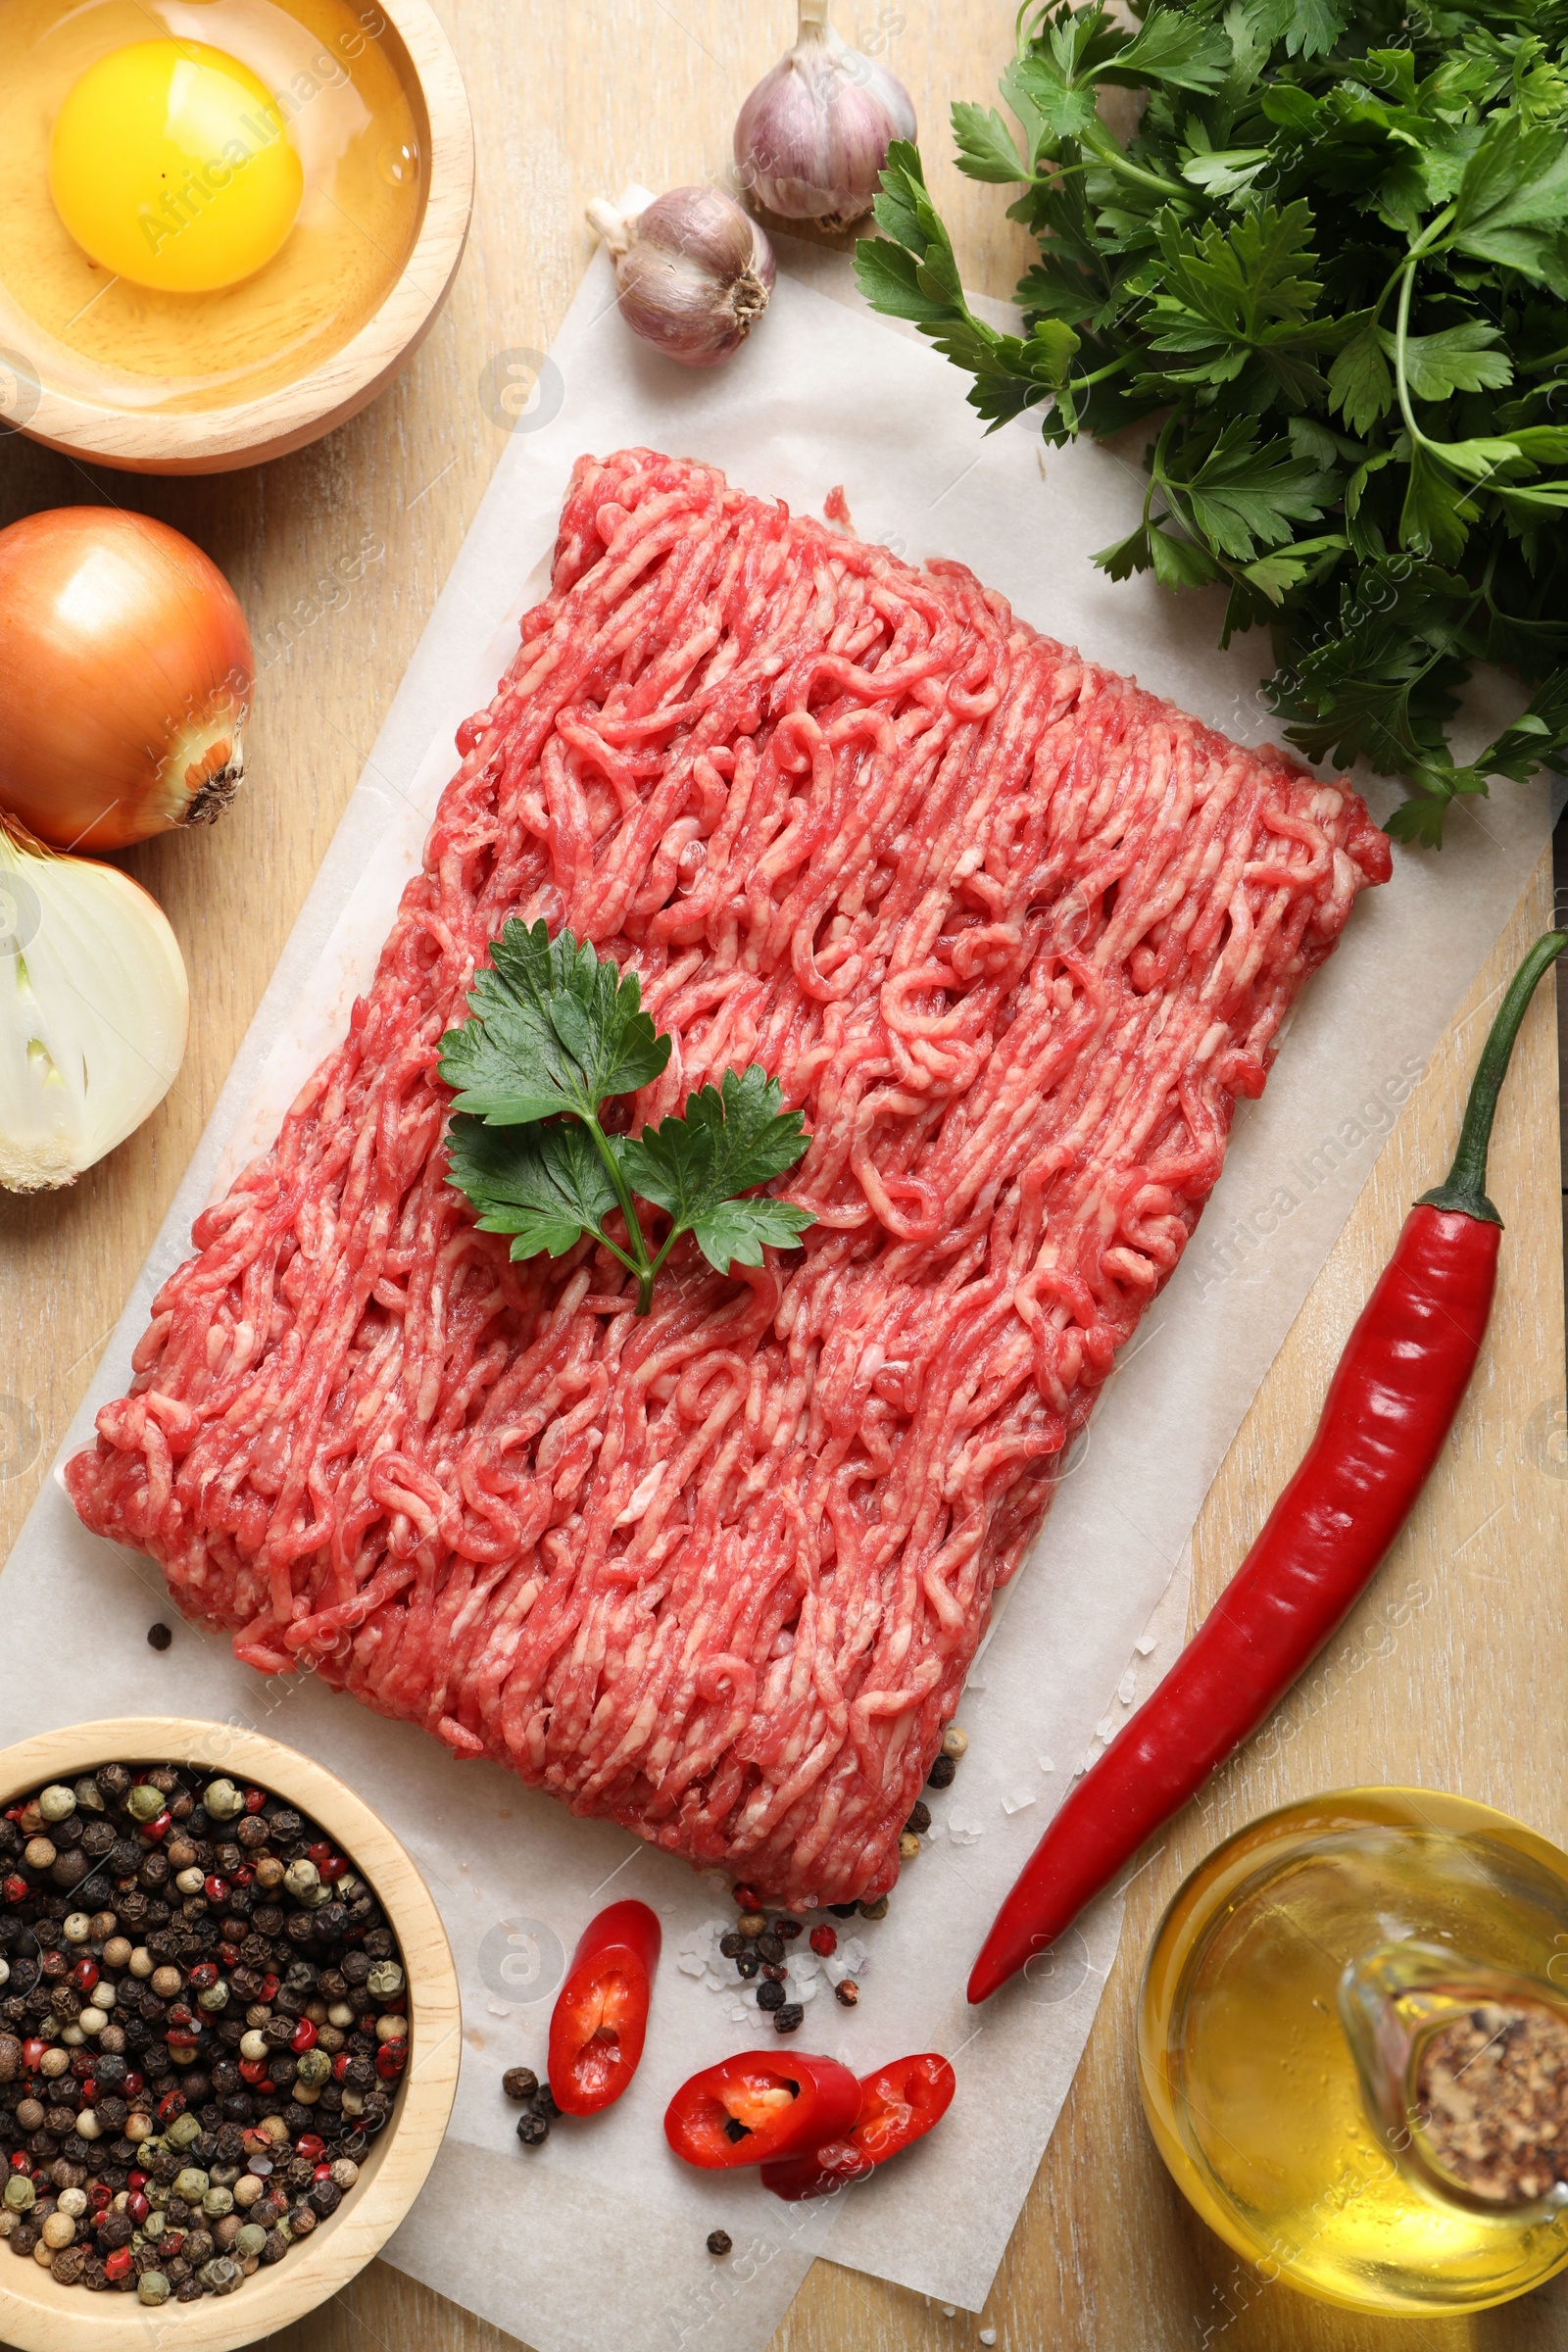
1450	1673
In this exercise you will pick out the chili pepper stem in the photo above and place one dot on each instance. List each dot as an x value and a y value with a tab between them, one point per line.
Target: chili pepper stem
1465	1186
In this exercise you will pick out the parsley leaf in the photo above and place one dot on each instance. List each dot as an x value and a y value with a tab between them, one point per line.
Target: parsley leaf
545	1182
551	1028
727	1140
554	1031
1327	264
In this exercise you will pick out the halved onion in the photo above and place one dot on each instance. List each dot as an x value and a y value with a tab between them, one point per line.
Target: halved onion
126	674
93	1011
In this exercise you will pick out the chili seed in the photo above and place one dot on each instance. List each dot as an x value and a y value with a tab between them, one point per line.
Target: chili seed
788	2018
719	2242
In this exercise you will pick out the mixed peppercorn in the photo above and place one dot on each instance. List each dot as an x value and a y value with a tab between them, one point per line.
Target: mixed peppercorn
203	2024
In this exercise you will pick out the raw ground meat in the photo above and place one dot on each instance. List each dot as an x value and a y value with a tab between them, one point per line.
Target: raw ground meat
1012	932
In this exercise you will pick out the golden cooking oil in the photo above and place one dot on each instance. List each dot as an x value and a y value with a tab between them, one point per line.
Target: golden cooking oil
1248	2073
344	92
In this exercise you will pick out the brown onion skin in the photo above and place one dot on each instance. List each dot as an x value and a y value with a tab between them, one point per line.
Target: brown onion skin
114	632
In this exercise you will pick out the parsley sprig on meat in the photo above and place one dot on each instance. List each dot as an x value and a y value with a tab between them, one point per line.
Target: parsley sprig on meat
1330	270
553	1032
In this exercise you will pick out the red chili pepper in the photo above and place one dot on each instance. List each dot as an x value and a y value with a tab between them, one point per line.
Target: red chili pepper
759	2105
1390	1406
601	2012
898	2105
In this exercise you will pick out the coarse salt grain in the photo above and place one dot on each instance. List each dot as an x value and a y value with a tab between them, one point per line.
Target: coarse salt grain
964	1828
1105	1728
988	2335
1144	1646
1016	1799
1127	1688
1045	1763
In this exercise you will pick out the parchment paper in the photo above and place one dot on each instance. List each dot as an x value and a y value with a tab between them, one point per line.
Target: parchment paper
597	2240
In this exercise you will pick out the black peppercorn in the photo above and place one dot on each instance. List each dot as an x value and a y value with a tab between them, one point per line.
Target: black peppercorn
942	1772
770	1994
732	1944
920	1820
769	1946
533	2128
720	2241
788	2018
844	1910
775	1970
158	1636
518	2081
747	1963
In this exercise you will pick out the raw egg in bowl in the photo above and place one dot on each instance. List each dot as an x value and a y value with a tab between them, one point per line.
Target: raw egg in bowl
227	222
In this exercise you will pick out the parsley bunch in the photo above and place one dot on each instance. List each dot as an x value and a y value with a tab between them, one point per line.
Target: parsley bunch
553	1033
1329	269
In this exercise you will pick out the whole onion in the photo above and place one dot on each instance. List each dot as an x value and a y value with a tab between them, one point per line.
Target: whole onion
812	137
693	272
124	677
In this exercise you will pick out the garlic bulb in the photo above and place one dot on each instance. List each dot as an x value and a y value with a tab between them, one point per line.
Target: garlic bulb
93	1011
693	272
812	137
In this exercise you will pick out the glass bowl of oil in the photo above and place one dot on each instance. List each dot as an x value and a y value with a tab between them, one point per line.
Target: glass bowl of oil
178	310
1251	2083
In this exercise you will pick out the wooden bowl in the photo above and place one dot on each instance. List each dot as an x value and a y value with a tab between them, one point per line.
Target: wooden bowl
36	2313
217	440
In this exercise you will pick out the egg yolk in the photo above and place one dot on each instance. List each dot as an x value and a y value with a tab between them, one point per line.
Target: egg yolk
170	164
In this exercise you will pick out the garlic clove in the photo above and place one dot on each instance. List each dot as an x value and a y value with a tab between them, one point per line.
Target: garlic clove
812	139
94	1007
693	272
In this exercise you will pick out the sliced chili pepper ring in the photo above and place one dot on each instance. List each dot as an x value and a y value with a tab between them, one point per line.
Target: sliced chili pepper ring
900	2104
759	2105
600	2014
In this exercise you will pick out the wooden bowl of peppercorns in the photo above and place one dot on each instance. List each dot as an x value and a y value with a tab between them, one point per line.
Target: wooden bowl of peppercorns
256	1968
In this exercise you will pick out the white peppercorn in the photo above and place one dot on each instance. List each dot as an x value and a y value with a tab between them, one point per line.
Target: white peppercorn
57	1802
